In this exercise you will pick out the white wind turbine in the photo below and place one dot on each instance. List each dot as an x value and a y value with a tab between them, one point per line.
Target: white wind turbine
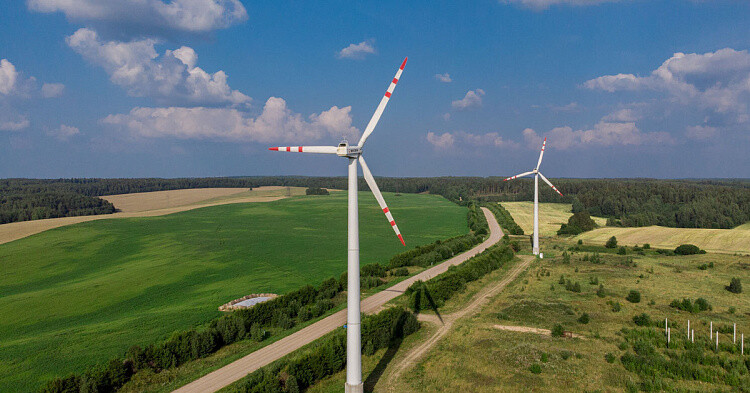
354	154
536	174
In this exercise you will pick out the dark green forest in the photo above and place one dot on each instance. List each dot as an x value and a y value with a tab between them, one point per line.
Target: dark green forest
627	202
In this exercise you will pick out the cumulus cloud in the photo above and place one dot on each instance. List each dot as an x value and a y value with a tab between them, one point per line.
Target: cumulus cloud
700	132
8	77
193	16
623	115
51	90
445	78
64	132
14	125
472	99
718	82
172	78
462	139
540	5
357	51
276	123
602	134
572	107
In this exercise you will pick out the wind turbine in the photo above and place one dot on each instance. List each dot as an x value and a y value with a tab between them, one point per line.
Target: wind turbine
354	155
537	174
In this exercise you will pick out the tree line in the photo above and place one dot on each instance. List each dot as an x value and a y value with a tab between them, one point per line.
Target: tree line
626	202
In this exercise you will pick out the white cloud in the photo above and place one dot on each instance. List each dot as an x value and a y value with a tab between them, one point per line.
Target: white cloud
462	139
602	134
443	142
169	79
446	116
572	107
357	51
718	82
64	132
472	99
623	115
275	124
445	78
51	90
194	16
700	132
540	5
14	125
8	76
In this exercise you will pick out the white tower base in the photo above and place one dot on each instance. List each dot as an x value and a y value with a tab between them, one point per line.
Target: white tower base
353	317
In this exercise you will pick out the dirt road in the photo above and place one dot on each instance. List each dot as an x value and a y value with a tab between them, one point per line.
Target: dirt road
446	321
241	367
150	204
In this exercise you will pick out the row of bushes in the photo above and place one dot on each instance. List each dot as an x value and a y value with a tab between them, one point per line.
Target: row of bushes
435	252
477	221
688	305
504	218
435	292
298	372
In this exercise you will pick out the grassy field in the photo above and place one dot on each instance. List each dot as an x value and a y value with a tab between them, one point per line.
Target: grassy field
478	357
76	295
736	240
551	216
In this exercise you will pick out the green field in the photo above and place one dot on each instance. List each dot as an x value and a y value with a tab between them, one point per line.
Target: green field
74	296
551	216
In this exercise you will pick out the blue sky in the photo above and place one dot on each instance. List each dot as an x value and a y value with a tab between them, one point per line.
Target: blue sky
153	88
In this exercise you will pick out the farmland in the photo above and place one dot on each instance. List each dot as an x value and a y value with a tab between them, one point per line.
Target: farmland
551	216
92	289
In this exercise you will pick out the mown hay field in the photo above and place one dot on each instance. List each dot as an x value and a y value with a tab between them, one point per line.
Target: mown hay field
551	216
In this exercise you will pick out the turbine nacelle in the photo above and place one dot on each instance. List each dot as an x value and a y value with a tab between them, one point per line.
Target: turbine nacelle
344	150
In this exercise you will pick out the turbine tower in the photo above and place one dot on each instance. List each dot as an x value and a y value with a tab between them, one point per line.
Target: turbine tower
354	155
536	174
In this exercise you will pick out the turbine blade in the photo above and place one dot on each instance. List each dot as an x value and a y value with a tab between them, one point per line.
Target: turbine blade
550	184
306	149
541	154
519	175
379	197
381	107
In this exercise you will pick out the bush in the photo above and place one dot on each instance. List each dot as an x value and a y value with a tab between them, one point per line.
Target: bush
616	307
557	331
687	249
735	286
611	243
609	357
646	246
622	250
601	292
642	320
316	191
580	242
535	369
688	305
577	223
400	272
633	296
584	318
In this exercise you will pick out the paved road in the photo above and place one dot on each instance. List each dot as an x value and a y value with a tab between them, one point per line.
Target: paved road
446	321
241	367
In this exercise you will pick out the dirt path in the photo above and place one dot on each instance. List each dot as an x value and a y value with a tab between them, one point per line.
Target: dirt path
527	329
150	204
241	367
446	321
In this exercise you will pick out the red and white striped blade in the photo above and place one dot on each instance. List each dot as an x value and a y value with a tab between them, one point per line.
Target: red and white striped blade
519	175
381	107
306	149
550	184
542	153
379	197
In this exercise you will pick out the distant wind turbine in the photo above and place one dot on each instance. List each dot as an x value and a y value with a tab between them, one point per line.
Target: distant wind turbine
354	154
536	174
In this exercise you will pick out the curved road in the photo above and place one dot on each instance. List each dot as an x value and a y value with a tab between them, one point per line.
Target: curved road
238	369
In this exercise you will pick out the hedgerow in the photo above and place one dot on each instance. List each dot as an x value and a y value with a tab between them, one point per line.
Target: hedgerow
504	218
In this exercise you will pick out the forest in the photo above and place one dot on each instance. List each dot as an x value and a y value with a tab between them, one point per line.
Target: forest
627	202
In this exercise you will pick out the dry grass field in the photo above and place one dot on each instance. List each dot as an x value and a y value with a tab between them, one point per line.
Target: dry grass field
151	204
551	216
728	241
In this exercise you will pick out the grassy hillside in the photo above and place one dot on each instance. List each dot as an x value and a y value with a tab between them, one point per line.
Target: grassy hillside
551	216
477	356
729	241
73	296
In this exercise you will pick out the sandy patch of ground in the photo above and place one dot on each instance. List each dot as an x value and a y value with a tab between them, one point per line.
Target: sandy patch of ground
150	204
527	329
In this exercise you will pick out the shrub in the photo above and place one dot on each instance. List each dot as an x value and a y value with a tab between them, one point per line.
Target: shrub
633	296
616	307
646	246
545	357
535	369
642	320
611	243
594	281
402	271
687	249
609	357
515	245
580	242
557	331
577	223
622	250
565	257
316	191
735	286
584	318
561	281
601	292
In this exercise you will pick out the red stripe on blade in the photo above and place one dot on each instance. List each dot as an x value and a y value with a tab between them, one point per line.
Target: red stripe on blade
288	148
401	238
273	148
393	223
404	63
395	80
385	210
387	94
300	149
